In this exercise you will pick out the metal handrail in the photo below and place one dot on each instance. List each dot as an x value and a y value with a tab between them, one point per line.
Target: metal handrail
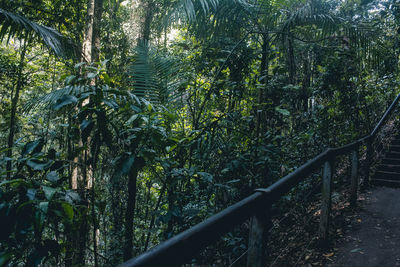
185	245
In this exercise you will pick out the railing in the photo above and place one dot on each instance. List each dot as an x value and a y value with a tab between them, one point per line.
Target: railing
182	247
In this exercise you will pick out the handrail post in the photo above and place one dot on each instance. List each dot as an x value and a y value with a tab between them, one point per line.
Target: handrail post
258	236
368	160
326	201
354	177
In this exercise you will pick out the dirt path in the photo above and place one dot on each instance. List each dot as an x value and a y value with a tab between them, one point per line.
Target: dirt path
375	237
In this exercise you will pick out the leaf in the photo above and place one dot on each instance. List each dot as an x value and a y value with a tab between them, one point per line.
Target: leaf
125	165
86	127
78	65
44	206
19	26
31	193
4	258
68	210
49	192
206	176
14	182
282	111
233	181
111	103
34	259
106	78
64	101
71	197
69	79
52	176
132	119
84	124
91	75
29	147
38	165
355	250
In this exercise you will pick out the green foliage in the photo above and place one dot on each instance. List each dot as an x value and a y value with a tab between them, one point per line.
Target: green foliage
35	207
14	25
225	97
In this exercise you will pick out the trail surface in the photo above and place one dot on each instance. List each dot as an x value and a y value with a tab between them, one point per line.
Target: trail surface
375	237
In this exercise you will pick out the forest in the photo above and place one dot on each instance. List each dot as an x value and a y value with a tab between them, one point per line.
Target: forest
125	122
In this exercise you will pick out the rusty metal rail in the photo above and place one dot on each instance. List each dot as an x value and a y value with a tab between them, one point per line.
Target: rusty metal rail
182	247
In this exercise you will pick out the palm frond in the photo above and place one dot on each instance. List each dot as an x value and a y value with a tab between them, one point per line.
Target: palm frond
329	25
48	100
184	11
154	76
14	25
310	14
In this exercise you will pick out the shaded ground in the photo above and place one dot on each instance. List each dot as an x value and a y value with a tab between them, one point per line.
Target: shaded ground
374	235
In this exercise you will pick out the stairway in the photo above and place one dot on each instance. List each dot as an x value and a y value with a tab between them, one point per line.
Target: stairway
388	170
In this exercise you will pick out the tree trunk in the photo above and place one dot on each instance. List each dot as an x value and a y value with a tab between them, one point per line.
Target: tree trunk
306	81
82	177
290	59
146	20
14	104
88	38
96	40
153	217
130	213
264	66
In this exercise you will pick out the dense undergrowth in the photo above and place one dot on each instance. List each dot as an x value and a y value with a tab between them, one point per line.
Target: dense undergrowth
178	110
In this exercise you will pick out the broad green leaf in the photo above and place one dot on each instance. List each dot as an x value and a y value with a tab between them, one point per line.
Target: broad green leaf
69	211
52	176
31	193
4	258
111	103
282	111
136	108
233	181
49	192
14	182
44	206
91	75
71	196
29	147
39	165
106	78
78	65
69	79
64	101
206	176
85	124
132	119
86	128
125	165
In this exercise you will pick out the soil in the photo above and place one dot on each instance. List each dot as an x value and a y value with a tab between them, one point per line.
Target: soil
372	238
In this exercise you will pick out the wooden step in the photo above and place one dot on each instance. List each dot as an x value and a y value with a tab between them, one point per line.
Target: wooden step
389	167
383	182
394	148
385	175
388	160
395	141
393	154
